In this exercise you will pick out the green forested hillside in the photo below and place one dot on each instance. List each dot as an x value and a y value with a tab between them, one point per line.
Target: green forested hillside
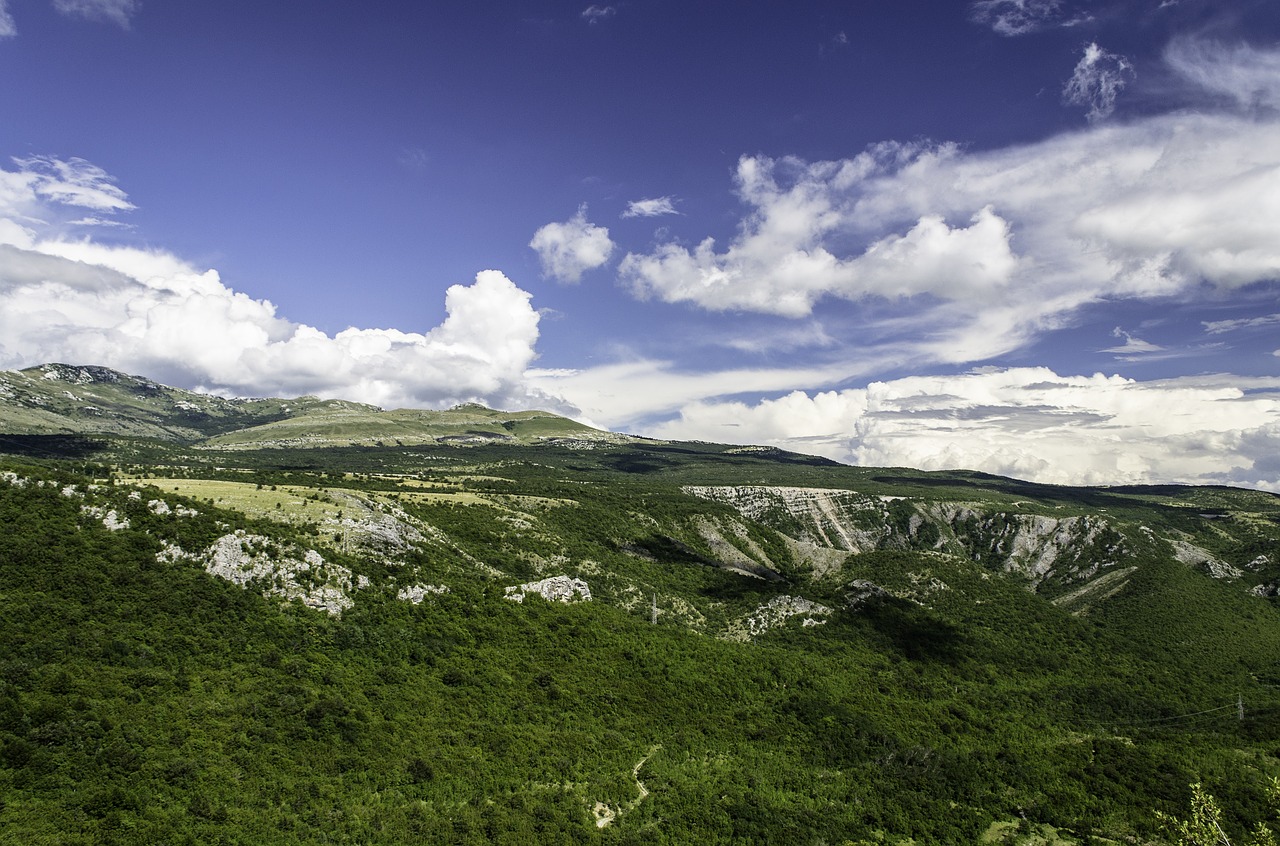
220	637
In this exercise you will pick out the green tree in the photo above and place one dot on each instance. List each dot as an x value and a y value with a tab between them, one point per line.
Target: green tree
1204	826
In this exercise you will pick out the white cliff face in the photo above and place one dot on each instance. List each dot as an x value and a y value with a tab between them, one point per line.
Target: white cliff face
731	544
254	561
1033	545
830	516
554	589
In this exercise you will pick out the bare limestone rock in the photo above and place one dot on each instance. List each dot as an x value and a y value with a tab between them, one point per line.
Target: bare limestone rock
862	591
829	515
416	593
775	612
1266	589
255	561
1035	545
1195	556
110	518
554	589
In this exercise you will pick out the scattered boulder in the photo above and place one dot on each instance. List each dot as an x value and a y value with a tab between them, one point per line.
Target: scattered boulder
110	518
1266	589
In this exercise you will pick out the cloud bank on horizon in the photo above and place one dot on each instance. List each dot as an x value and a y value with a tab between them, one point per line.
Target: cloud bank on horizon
905	258
68	298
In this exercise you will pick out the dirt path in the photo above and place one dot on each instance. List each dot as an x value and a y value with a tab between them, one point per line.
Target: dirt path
605	815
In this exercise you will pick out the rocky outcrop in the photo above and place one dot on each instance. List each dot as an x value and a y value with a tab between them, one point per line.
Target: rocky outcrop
416	593
862	591
1195	556
1082	599
379	528
255	561
111	519
554	589
775	612
84	375
1035	546
1266	589
11	478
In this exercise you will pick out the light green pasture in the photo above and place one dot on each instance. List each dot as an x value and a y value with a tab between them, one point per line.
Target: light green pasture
285	504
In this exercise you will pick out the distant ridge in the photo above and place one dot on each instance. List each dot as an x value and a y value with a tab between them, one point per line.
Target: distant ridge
65	399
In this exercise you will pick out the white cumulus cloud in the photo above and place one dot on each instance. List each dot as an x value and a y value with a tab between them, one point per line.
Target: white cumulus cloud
781	264
994	247
150	312
1030	423
569	249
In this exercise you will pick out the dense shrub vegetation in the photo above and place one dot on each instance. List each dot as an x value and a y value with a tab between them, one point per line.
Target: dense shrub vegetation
143	700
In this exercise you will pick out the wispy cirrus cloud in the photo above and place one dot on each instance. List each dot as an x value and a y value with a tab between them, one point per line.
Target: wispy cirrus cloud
1246	74
1098	78
572	247
119	12
1019	17
104	222
1218	327
413	159
1132	346
653	207
595	13
72	182
8	29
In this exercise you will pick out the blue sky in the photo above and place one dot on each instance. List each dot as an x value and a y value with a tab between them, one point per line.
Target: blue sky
1032	237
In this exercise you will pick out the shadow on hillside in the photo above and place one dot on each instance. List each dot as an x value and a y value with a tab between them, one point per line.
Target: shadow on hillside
918	634
51	446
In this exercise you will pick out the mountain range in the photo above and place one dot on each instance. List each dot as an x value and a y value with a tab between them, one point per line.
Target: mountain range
305	620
